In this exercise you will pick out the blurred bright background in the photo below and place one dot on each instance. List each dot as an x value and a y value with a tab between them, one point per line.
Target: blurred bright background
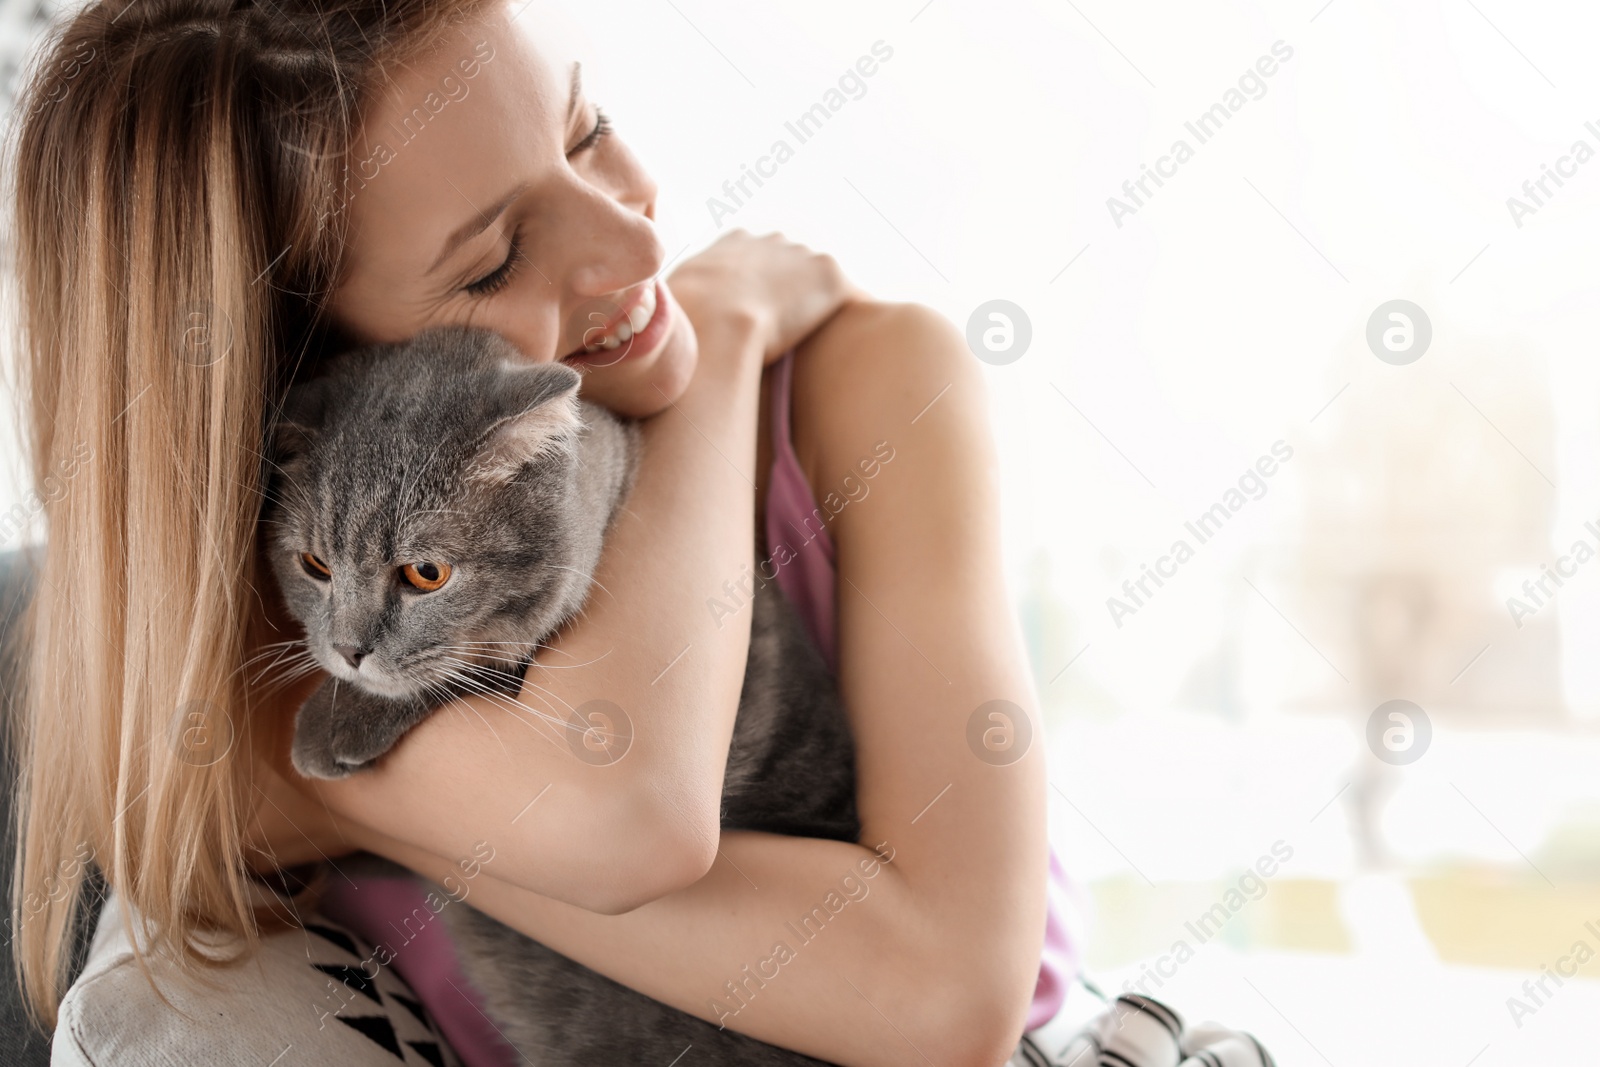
1173	346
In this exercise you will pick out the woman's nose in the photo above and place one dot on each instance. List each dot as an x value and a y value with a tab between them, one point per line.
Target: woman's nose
616	246
618	260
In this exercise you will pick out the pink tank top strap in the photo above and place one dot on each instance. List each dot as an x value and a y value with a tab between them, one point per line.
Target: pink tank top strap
797	544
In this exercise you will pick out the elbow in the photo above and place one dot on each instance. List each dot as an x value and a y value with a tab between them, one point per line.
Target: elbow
984	1030
986	1041
965	1030
670	863
664	847
982	1025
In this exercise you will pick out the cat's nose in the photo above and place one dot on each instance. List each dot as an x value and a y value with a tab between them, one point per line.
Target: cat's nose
352	655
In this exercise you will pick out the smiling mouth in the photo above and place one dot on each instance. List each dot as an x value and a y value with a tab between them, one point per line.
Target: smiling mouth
637	331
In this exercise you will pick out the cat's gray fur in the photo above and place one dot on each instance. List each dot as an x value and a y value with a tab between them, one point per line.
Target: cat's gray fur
449	446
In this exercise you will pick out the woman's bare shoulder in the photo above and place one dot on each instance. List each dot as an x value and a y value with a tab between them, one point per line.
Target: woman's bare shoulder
877	371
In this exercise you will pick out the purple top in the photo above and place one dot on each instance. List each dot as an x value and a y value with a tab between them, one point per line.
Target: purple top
393	912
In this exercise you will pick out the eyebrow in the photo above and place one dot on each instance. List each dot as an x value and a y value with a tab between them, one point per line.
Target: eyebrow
485	218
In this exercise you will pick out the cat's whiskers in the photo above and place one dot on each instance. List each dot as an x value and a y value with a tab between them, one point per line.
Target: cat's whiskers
299	488
290	654
541	648
567	666
296	667
490	672
272	653
442	695
275	648
472	677
494	666
282	682
534	689
510	705
468	687
483	646
589	578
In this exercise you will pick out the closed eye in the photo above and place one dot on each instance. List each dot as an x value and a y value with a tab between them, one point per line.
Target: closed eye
498	278
315	567
602	129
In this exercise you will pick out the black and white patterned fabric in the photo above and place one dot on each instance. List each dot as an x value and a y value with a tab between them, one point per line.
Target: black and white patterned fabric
1136	1031
311	997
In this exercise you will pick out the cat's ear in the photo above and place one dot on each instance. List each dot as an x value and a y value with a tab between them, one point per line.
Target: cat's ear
542	418
299	421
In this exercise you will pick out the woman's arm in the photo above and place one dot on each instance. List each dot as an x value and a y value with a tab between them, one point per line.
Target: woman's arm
930	958
608	837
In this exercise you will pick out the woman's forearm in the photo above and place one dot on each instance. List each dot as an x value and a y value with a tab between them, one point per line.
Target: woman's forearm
817	946
570	819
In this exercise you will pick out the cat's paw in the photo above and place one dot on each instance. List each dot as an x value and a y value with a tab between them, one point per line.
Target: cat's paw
341	730
315	752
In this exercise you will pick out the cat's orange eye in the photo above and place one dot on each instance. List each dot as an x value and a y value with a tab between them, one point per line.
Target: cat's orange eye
426	576
315	567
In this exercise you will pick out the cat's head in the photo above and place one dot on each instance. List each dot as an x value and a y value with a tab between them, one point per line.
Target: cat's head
422	515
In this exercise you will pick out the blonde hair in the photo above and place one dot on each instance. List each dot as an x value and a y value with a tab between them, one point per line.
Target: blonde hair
179	173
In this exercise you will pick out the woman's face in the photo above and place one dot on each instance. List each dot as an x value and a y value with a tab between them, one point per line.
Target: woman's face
489	191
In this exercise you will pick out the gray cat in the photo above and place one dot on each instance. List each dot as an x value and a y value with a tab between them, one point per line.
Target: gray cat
436	511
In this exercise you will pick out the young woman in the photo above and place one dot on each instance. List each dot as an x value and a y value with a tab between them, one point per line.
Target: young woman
211	195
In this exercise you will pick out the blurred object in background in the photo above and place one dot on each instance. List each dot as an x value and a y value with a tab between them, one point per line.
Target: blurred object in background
1418	499
1421	493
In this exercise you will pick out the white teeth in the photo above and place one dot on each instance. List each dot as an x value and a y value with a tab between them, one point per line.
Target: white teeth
631	325
641	315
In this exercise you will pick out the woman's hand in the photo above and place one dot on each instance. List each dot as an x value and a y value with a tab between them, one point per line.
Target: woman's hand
779	290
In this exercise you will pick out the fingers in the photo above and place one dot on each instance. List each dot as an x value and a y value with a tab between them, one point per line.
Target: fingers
786	287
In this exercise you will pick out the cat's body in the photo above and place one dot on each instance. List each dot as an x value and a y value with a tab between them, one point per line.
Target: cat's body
448	457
